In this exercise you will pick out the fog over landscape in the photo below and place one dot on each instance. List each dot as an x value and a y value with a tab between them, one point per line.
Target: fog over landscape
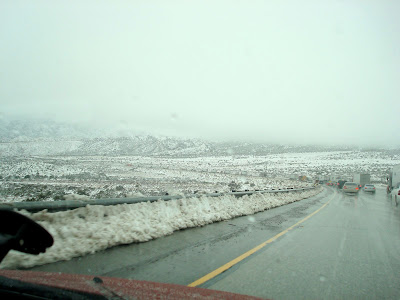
268	72
116	99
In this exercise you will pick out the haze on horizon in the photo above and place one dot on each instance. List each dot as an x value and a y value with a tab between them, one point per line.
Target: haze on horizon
311	72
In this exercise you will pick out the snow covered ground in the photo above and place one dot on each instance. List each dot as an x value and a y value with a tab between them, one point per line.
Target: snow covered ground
94	228
48	178
54	178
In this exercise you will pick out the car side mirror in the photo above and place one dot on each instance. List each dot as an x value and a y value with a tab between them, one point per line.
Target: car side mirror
20	233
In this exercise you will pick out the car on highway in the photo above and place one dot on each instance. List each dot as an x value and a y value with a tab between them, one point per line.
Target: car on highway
369	188
350	187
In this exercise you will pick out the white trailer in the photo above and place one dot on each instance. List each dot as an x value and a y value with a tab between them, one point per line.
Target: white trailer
361	179
393	186
394	177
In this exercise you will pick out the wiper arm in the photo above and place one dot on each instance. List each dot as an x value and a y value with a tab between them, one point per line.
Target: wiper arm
22	234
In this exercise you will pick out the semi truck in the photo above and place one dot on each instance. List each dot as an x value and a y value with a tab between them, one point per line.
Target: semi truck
393	178
361	179
393	183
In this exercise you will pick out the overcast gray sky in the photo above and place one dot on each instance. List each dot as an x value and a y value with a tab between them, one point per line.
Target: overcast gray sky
269	71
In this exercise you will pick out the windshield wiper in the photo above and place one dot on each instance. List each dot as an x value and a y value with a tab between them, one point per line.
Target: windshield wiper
22	234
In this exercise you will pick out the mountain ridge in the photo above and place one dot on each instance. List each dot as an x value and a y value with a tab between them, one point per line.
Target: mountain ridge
47	137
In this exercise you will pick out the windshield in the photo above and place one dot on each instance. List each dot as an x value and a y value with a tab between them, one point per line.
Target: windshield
206	143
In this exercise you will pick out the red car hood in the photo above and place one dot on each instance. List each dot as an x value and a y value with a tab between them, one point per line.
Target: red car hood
124	288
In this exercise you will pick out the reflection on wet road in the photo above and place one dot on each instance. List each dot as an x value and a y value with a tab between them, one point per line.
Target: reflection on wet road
349	250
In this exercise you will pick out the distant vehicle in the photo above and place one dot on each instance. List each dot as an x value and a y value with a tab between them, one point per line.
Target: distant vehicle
369	188
396	194
340	184
351	187
393	179
361	179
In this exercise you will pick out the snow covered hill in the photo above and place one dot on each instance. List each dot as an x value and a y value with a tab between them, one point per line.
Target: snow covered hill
155	146
27	137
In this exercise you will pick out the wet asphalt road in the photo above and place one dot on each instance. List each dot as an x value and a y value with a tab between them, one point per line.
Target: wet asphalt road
349	249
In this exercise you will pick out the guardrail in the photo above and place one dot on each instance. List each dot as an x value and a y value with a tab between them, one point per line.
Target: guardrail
55	206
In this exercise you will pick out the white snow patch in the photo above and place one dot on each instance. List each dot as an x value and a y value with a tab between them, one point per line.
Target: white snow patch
134	195
94	228
77	197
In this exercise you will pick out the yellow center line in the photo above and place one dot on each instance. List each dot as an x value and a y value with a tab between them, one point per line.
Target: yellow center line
252	251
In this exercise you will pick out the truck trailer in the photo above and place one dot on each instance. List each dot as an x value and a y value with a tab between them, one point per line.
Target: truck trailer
393	178
362	179
393	186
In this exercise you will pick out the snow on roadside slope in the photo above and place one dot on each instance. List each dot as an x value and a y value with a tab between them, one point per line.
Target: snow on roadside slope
94	228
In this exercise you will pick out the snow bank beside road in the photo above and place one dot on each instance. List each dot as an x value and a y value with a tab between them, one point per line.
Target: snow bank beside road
94	228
